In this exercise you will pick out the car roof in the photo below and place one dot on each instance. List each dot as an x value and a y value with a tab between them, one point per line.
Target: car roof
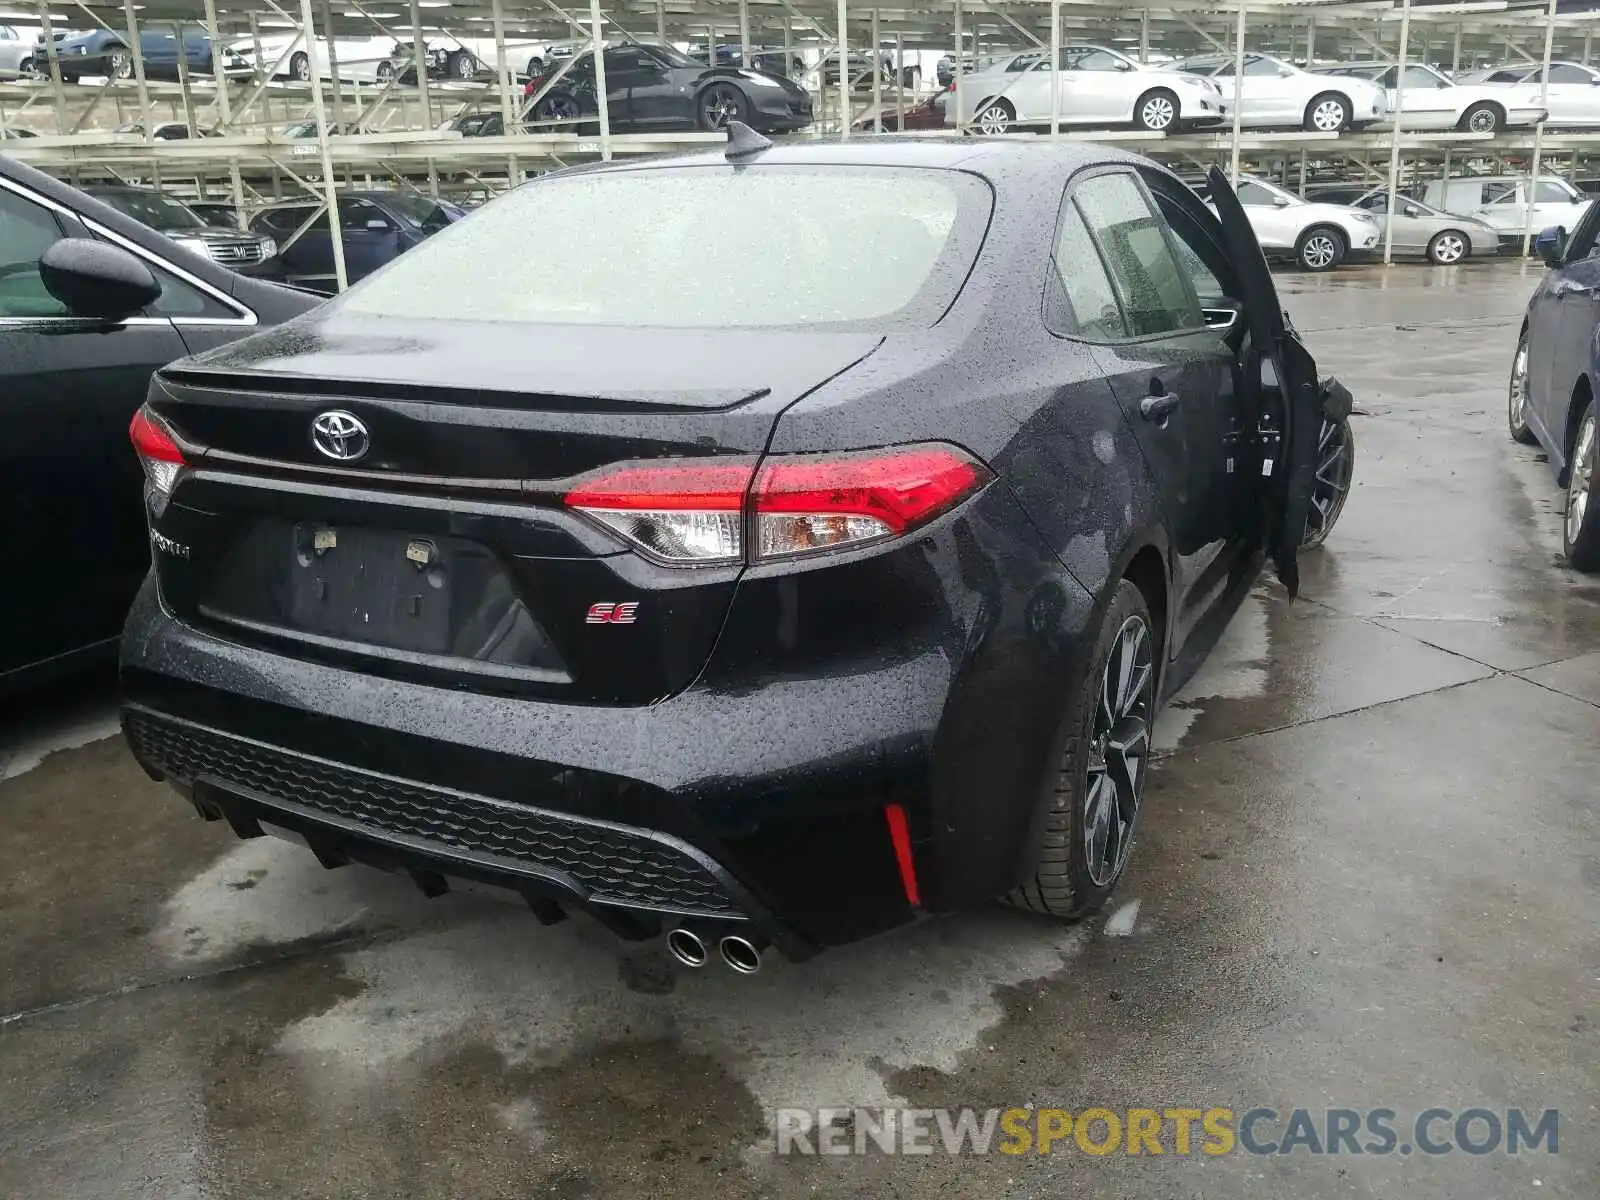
982	155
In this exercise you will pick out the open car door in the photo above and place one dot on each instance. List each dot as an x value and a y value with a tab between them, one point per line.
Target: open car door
1282	390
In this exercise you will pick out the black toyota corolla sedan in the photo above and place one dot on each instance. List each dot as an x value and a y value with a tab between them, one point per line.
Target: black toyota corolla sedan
751	607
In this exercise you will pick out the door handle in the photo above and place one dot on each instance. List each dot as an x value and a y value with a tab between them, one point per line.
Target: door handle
1159	408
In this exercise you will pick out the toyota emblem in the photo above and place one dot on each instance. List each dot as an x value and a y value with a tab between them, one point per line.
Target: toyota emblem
340	435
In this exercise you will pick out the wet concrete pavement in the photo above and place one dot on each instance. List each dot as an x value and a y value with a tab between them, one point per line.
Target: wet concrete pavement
1368	875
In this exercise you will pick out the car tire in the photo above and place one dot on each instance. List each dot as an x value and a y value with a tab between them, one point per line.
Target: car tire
1580	527
1482	117
720	104
1330	487
386	72
1328	112
1448	247
1320	248
1093	798
300	67
535	68
1156	111
1517	395
994	117
462	65
119	64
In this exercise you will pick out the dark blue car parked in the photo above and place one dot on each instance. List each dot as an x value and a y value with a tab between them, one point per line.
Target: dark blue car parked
377	226
103	52
1554	374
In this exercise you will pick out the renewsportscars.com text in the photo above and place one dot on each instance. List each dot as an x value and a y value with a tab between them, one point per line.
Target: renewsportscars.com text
1176	1130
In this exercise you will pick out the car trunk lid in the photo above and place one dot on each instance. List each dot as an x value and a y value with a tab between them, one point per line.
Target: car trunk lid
440	546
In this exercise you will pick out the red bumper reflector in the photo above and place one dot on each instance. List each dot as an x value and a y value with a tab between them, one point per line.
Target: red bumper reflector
900	834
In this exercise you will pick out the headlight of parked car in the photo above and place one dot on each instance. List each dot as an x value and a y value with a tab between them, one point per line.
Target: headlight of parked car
194	246
1364	218
268	247
759	79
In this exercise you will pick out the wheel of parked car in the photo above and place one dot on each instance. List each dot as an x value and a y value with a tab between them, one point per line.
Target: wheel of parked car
385	71
1320	248
1448	246
719	104
1336	467
994	117
1094	802
1482	117
120	63
1156	110
462	64
300	66
557	107
1327	113
1580	532
1517	396
535	67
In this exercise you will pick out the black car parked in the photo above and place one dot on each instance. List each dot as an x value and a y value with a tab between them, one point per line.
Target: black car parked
653	89
91	302
743	609
248	253
375	226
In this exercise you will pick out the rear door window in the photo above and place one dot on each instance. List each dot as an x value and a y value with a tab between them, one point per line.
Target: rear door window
1153	287
1092	305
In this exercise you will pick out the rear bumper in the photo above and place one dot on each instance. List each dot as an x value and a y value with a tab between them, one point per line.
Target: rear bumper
758	796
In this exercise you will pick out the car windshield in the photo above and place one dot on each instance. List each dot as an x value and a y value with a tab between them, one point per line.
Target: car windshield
672	57
839	246
419	211
153	209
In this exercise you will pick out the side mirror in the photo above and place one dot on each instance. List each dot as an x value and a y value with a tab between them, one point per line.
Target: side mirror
1280	202
94	279
378	225
1285	72
1411	210
1551	245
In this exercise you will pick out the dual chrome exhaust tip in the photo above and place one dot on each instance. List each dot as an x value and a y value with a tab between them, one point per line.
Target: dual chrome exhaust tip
689	948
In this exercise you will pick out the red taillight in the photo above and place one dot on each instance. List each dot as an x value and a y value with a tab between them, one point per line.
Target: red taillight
693	512
158	452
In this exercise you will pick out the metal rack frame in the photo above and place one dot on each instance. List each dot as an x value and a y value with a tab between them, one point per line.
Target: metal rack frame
252	164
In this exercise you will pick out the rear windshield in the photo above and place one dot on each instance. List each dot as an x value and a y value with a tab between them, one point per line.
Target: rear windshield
699	247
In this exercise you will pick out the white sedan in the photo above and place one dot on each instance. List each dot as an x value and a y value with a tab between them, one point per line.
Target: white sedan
1097	86
362	60
1431	100
1278	94
1573	98
1318	236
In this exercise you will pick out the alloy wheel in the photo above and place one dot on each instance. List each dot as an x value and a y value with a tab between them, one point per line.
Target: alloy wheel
1517	390
718	108
1331	484
1483	121
1328	116
1449	248
994	120
1157	113
1578	487
1119	749
121	64
1319	252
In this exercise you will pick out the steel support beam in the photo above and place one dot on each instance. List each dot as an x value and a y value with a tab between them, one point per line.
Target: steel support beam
1238	93
1396	134
1538	130
335	226
597	44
